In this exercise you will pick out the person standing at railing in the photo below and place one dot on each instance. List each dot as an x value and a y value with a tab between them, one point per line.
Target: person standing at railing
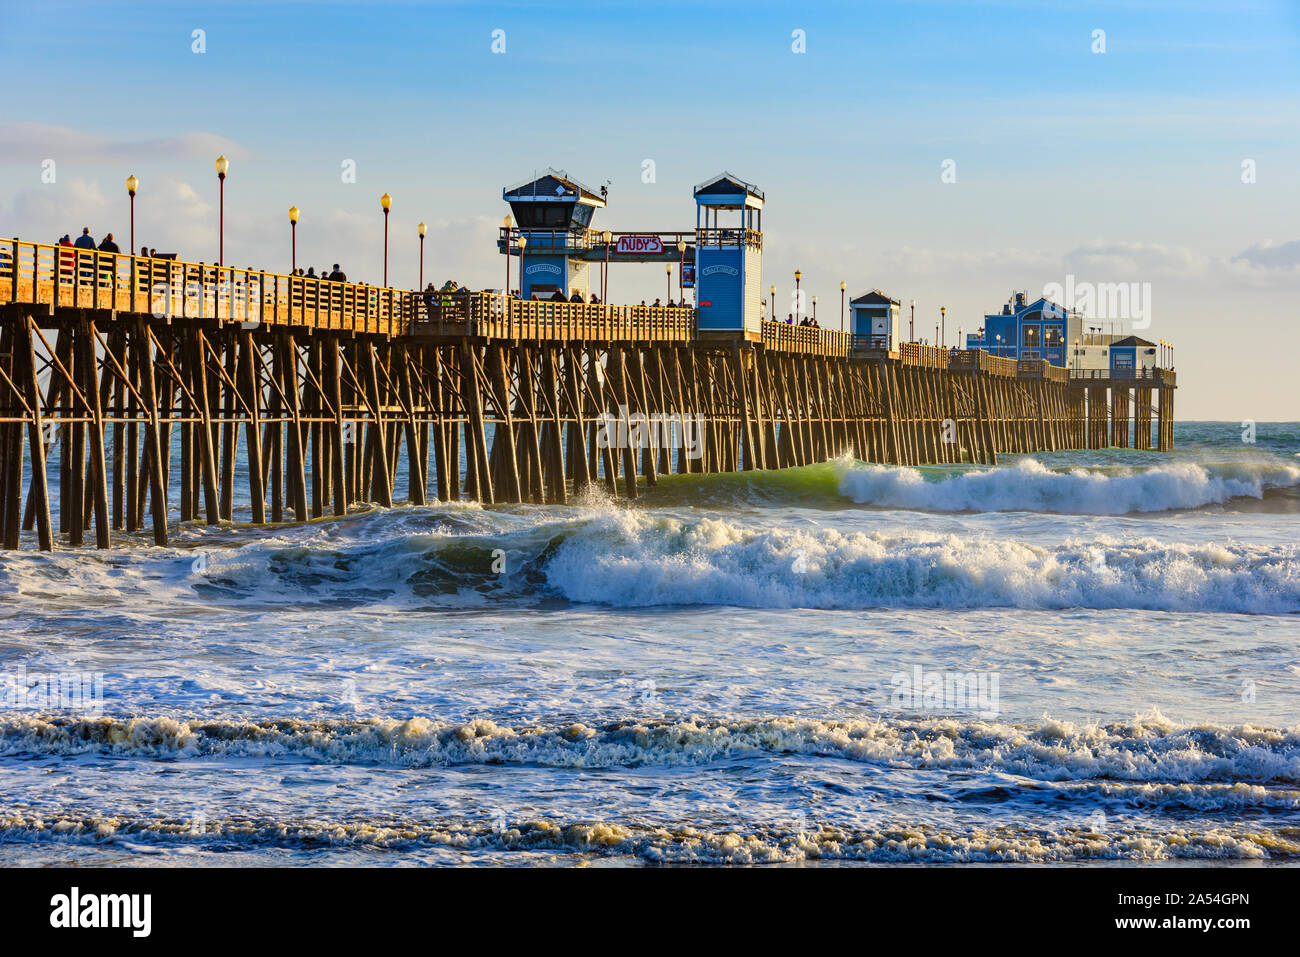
84	241
338	275
66	257
144	270
106	245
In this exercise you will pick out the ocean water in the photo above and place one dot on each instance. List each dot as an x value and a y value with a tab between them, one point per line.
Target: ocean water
1072	658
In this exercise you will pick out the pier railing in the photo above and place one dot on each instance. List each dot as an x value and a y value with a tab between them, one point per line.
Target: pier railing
1153	376
68	277
493	316
979	360
1041	369
809	340
929	357
729	237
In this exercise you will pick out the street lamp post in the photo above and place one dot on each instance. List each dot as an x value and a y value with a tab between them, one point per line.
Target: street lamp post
771	298
507	223
798	301
843	286
422	229
223	164
814	302
943	326
911	324
999	339
385	203
293	239
668	274
131	184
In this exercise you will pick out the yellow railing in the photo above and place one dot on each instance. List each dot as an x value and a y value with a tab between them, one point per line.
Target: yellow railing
810	340
492	316
930	357
64	276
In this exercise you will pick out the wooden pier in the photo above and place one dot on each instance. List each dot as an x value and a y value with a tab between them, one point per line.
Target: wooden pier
136	381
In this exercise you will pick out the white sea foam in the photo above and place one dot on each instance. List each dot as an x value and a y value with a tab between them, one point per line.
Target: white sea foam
633	559
902	843
1150	749
1028	485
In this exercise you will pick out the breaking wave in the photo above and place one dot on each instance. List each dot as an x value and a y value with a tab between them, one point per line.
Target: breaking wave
1149	750
920	843
1028	485
630	558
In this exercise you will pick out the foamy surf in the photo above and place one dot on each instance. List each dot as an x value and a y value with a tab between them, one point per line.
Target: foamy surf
633	560
630	558
1030	486
920	843
1149	749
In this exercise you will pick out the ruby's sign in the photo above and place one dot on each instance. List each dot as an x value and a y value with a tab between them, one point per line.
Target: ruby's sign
645	245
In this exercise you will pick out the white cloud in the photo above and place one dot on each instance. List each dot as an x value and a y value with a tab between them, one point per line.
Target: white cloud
1268	255
33	142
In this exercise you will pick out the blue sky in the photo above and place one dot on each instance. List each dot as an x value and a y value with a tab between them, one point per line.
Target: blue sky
1116	166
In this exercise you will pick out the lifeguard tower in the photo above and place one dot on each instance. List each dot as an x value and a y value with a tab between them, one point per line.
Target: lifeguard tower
553	216
729	258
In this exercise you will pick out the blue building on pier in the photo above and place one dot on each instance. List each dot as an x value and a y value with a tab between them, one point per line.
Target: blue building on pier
553	215
729	255
875	322
1029	330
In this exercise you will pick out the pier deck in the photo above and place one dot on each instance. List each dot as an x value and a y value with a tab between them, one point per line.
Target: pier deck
113	367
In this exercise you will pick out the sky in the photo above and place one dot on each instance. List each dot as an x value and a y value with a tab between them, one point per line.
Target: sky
947	152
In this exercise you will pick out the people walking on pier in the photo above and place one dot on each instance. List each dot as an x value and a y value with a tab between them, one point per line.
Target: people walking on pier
84	241
106	245
338	275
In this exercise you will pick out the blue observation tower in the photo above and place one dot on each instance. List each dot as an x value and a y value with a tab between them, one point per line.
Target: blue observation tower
729	256
552	215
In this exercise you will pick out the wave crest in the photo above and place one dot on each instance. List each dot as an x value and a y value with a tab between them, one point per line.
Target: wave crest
1148	749
1028	485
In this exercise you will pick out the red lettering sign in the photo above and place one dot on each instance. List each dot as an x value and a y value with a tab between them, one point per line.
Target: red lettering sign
644	245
